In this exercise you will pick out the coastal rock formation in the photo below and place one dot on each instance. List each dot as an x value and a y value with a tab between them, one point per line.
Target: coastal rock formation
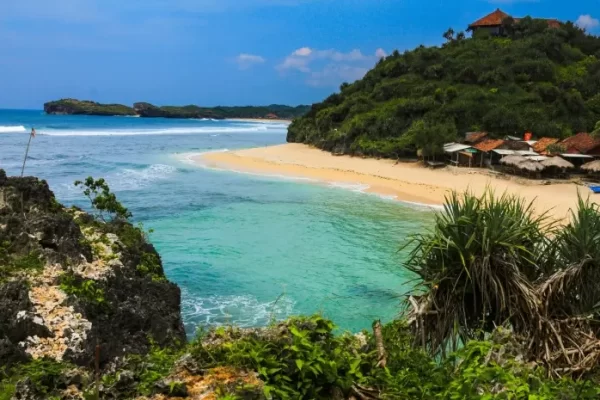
78	289
147	110
69	283
84	107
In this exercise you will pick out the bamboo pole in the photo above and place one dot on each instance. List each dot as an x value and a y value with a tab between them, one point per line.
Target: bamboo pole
27	151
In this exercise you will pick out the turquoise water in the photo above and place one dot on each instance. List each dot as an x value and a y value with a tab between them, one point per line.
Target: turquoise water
244	248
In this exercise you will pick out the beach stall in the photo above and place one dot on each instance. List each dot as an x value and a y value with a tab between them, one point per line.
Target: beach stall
557	167
511	161
459	154
531	169
577	159
484	156
592	168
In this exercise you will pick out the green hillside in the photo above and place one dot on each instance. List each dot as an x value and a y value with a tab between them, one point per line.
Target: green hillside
535	79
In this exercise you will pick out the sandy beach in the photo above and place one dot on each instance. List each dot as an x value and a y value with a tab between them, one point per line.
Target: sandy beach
406	181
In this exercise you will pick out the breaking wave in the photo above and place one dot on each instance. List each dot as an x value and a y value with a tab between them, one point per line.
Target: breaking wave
243	311
13	129
159	131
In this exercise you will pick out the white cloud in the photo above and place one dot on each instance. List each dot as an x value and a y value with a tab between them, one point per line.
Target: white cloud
334	74
587	22
303	52
302	57
245	61
331	66
380	53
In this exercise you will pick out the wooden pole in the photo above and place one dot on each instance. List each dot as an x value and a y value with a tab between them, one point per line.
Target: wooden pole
26	153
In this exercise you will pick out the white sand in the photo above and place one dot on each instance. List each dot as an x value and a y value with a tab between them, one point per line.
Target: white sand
408	182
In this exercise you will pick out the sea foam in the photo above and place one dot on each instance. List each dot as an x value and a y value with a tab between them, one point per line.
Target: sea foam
243	311
13	129
133	179
161	131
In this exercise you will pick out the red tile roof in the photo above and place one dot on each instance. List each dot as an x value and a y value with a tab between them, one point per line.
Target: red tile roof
493	19
580	143
497	17
541	145
473	137
553	23
489	144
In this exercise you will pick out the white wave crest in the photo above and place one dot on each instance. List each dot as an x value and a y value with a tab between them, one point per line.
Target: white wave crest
188	158
132	179
162	131
243	311
13	129
355	187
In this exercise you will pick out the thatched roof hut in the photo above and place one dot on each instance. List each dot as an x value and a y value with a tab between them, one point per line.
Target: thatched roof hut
558	163
593	166
531	166
513	160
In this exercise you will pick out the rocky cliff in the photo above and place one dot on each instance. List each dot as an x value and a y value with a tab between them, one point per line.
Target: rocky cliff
81	293
84	107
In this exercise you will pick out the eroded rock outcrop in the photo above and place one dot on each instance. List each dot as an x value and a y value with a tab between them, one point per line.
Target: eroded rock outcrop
69	283
77	289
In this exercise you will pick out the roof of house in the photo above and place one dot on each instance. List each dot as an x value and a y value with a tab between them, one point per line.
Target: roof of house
489	144
493	19
506	152
582	143
512	138
497	17
543	144
473	137
454	147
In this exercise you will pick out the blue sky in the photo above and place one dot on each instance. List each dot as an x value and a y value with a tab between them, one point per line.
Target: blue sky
229	52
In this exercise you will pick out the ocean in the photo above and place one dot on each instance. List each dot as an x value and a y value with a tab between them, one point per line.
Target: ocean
245	249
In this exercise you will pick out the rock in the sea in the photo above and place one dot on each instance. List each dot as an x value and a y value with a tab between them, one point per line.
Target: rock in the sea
83	107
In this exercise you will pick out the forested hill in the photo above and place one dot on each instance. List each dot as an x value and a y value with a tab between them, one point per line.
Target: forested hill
536	79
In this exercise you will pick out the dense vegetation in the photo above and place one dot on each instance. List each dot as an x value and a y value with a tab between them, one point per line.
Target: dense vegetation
83	107
535	78
78	107
506	308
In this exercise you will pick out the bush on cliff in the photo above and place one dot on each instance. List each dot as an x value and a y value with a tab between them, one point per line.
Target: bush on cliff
536	79
135	319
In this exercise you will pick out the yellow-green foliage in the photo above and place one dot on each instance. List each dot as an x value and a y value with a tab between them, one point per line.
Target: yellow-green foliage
85	289
14	264
43	374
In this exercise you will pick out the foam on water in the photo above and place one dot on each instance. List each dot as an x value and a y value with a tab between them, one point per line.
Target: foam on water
355	187
12	129
162	131
245	310
133	179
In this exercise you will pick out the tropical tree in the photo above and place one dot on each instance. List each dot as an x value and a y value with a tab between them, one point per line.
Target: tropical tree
492	261
477	268
449	35
596	131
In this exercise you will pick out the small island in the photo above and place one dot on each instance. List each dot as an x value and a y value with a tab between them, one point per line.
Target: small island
147	110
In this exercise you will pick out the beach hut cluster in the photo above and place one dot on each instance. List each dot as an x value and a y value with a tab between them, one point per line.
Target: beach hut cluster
545	157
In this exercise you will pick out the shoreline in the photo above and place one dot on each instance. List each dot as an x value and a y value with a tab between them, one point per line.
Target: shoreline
405	182
261	120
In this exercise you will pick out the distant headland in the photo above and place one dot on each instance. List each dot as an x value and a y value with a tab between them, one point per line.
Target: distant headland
147	110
